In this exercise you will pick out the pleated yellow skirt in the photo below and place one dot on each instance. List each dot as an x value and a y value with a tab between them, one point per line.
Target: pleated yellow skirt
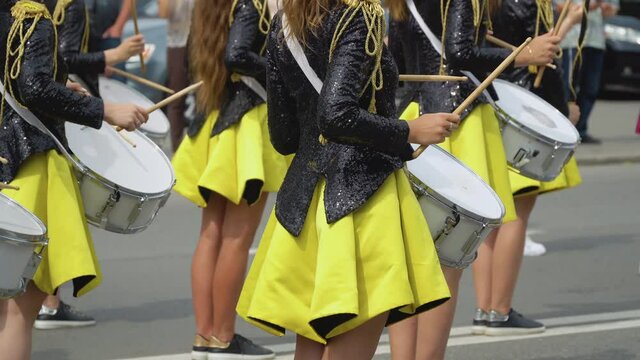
239	163
568	178
478	144
48	188
333	278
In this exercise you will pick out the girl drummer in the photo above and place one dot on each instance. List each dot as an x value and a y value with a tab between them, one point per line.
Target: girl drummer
347	249
226	164
71	19
495	287
35	76
461	27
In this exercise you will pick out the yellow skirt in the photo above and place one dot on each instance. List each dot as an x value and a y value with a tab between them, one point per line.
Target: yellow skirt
333	278
48	188
238	163
568	178
478	144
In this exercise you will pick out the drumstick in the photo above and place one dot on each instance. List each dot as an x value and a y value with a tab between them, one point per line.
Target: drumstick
3	161
482	87
141	80
8	187
134	15
503	44
124	136
170	99
556	29
415	77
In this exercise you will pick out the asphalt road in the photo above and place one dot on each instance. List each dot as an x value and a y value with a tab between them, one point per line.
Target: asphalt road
588	285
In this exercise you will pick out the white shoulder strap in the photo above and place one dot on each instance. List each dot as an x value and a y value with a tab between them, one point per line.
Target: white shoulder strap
30	118
298	53
255	86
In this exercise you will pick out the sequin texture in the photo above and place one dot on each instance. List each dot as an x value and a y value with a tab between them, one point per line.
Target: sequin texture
362	148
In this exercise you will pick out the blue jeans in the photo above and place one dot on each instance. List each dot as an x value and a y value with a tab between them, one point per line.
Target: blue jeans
586	81
111	43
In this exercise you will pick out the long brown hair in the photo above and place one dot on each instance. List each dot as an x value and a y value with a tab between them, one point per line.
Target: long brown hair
305	16
208	40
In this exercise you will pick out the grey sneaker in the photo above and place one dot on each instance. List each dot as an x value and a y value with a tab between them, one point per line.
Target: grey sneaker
241	348
64	316
480	322
513	323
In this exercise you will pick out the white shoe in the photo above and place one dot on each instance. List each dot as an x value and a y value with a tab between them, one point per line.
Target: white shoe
532	248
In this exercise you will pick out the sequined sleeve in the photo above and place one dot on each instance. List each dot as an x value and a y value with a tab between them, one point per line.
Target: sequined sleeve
515	21
240	55
70	35
343	115
39	91
284	128
462	50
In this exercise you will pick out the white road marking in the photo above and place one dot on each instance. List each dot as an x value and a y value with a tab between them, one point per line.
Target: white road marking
461	336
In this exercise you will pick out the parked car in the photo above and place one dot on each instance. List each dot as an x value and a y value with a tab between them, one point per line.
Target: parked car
622	59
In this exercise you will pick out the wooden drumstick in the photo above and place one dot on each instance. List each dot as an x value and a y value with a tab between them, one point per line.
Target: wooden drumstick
422	78
134	15
3	161
124	136
482	87
182	93
556	29
503	44
8	187
140	79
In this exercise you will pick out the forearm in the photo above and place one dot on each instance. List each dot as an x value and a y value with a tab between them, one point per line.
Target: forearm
125	11
163	8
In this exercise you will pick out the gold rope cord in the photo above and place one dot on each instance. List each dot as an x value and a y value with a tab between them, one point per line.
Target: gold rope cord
86	35
373	16
478	6
544	16
59	11
577	61
264	23
22	10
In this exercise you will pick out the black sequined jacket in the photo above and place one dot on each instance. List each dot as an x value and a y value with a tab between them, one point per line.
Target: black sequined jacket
464	50
49	99
363	148
243	56
516	21
87	66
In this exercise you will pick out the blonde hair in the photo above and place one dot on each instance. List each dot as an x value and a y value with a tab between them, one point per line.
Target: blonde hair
305	16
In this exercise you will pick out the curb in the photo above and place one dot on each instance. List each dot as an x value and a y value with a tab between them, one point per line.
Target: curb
608	159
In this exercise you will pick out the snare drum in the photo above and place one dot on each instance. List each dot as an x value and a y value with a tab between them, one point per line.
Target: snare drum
22	240
538	139
157	128
123	187
459	206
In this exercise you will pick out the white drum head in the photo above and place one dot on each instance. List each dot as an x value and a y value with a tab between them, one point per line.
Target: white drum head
454	181
116	92
16	219
533	112
144	168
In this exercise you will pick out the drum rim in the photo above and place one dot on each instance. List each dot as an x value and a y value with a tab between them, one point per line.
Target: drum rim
87	171
13	293
509	120
469	213
21	238
530	130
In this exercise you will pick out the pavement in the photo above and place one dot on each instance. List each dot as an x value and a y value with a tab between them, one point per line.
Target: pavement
586	289
614	122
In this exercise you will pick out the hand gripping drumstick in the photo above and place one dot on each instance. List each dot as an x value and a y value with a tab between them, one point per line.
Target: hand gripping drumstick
482	87
412	77
8	187
3	161
503	44
170	99
141	80
134	15
556	29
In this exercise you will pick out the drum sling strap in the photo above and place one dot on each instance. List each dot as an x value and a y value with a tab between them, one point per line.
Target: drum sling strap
437	45
33	120
298	54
